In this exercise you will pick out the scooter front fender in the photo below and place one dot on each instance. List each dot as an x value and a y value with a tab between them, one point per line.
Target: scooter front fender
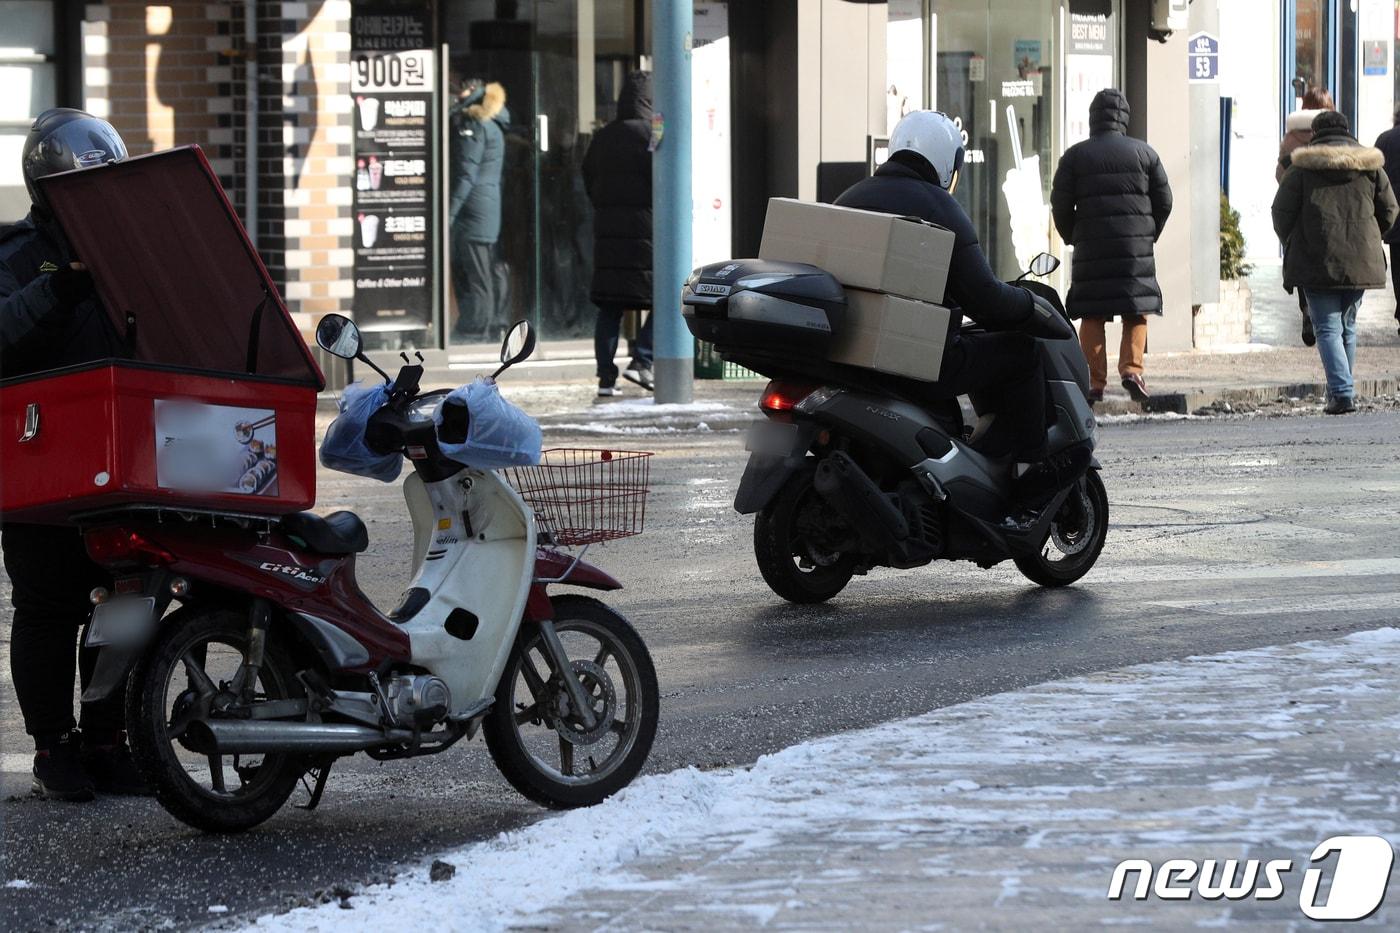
556	567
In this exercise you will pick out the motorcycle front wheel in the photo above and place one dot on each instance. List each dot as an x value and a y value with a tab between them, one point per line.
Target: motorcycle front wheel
1076	536
187	675
542	745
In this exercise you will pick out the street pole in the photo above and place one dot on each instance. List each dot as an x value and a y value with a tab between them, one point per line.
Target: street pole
671	201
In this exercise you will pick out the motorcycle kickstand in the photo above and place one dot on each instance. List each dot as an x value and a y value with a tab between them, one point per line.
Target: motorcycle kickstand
323	771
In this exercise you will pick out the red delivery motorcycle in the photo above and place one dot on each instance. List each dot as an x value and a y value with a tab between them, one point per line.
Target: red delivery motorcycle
273	664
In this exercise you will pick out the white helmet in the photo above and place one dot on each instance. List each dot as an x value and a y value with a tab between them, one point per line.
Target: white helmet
933	135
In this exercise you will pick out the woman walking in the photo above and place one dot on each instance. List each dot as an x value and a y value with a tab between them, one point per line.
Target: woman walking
1298	132
1331	208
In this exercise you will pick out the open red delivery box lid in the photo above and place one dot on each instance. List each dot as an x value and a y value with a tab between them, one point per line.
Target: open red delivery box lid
213	405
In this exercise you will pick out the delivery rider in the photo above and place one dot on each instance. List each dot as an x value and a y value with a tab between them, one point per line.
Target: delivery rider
49	318
1001	365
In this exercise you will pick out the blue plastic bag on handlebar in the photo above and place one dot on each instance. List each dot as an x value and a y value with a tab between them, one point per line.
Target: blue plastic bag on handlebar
344	446
498	433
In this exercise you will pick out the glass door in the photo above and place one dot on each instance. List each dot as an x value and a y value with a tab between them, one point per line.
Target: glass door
994	73
555	68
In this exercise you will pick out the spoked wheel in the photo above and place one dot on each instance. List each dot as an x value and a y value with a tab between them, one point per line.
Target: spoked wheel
1076	536
542	743
792	542
191	675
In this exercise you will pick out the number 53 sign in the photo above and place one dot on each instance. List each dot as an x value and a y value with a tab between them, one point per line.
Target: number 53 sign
1202	58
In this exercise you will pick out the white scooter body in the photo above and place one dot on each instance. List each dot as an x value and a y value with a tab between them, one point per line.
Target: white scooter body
485	569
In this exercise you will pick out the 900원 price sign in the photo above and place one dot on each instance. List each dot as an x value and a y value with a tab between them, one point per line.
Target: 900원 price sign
392	71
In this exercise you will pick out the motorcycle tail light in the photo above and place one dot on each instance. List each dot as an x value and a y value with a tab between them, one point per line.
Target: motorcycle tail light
115	545
782	397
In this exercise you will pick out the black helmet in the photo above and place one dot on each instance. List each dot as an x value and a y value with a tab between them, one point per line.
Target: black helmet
63	139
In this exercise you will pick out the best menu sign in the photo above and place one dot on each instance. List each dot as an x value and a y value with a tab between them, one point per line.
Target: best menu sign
393	80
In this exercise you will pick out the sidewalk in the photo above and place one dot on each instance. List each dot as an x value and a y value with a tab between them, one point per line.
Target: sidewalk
1009	812
1274	373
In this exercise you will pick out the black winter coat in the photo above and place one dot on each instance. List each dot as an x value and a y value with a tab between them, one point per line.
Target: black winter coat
1331	208
617	176
1110	201
478	151
972	288
1389	145
36	331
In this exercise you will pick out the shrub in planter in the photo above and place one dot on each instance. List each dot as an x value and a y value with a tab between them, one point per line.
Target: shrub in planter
1232	264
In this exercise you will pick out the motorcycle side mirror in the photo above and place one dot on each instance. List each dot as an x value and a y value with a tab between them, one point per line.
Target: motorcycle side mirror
1044	264
518	345
338	336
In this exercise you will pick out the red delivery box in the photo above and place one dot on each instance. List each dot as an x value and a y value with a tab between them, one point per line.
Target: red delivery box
212	404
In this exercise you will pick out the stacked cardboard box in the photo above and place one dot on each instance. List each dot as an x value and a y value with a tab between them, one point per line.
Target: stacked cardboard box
894	270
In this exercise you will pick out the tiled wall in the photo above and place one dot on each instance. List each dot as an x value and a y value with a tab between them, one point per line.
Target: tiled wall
171	74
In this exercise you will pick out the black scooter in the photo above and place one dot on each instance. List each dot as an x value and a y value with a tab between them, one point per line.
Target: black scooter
846	473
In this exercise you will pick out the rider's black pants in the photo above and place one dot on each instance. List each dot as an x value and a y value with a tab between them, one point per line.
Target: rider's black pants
50	579
1004	373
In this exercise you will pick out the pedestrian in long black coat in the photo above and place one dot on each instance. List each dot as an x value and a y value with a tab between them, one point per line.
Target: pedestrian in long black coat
617	176
1110	201
1389	145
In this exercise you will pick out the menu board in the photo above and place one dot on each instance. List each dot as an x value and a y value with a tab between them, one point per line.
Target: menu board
393	80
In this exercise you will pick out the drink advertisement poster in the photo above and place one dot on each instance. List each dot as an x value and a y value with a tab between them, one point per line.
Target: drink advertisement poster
393	80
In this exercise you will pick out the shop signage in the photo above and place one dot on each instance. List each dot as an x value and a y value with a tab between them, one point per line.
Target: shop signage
392	79
1373	56
1202	58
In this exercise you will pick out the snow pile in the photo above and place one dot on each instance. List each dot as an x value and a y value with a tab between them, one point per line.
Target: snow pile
1062	766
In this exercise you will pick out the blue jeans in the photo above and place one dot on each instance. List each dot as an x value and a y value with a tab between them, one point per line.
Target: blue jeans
1333	313
605	336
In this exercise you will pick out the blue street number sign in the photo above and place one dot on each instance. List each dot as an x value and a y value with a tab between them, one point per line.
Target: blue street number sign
1202	58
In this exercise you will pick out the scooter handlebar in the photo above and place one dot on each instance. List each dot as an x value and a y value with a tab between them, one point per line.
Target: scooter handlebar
1046	322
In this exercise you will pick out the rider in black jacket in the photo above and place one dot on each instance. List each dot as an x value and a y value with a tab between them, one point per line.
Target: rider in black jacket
1002	365
50	317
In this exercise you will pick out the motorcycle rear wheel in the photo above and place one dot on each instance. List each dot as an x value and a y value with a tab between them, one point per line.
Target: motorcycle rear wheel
1076	536
781	548
538	740
196	649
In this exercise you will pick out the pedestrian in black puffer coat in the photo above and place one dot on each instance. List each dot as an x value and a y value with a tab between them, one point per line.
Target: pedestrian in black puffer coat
617	176
1110	201
1389	145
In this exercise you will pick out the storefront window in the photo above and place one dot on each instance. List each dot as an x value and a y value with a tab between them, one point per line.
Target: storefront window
995	75
27	74
527	84
1311	45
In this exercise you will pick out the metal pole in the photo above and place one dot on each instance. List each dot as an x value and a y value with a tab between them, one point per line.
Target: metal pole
671	200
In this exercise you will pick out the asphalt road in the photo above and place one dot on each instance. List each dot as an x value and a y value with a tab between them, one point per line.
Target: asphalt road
1225	534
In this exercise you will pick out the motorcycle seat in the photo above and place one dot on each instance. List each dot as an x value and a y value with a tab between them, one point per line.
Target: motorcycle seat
336	533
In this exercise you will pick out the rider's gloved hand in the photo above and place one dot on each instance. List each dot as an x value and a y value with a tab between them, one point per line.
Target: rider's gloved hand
72	285
1046	322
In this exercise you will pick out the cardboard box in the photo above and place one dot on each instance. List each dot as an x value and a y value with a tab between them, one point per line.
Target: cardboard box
892	334
861	249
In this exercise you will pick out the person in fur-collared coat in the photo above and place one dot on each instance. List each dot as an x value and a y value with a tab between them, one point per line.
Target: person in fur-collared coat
477	155
1332	207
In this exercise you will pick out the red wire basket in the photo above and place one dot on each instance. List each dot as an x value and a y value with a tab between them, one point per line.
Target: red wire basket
584	496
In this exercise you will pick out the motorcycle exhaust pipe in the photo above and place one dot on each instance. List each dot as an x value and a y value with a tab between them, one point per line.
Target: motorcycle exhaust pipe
231	737
847	489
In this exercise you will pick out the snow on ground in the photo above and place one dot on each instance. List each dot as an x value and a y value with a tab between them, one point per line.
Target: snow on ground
1055	767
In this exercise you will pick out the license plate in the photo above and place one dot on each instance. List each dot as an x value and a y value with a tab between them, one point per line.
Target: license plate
122	621
772	438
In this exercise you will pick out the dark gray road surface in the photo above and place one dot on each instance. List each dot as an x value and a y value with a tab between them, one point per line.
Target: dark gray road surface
1225	534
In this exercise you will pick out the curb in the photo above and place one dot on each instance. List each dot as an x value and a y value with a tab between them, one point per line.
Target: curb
1185	403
